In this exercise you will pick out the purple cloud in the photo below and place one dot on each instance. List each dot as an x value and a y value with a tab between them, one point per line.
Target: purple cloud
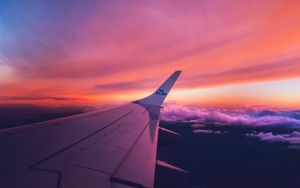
202	118
293	139
198	125
243	117
203	131
218	132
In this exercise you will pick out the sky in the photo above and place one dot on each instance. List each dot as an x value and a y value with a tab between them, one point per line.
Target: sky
231	52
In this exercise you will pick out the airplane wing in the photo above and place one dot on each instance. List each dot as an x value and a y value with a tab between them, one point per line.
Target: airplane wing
114	148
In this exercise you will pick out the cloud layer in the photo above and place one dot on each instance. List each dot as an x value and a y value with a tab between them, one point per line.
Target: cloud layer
211	120
242	117
24	98
292	139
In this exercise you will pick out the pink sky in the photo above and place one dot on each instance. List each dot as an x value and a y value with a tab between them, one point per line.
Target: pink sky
231	52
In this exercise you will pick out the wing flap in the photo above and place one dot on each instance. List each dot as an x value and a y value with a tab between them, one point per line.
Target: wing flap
142	157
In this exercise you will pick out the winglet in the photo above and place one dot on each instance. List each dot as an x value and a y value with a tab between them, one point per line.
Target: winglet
158	97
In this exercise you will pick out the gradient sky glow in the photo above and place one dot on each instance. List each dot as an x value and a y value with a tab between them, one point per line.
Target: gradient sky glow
231	52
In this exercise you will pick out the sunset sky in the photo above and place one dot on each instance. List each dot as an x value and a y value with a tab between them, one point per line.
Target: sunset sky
231	52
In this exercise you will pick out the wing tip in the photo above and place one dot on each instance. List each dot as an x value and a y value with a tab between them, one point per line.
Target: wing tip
161	93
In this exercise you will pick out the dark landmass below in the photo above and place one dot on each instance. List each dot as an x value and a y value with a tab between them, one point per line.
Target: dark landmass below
232	160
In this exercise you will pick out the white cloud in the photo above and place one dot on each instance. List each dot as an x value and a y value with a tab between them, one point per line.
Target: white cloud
229	117
293	139
198	125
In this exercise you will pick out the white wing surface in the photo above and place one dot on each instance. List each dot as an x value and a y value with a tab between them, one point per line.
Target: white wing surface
114	148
